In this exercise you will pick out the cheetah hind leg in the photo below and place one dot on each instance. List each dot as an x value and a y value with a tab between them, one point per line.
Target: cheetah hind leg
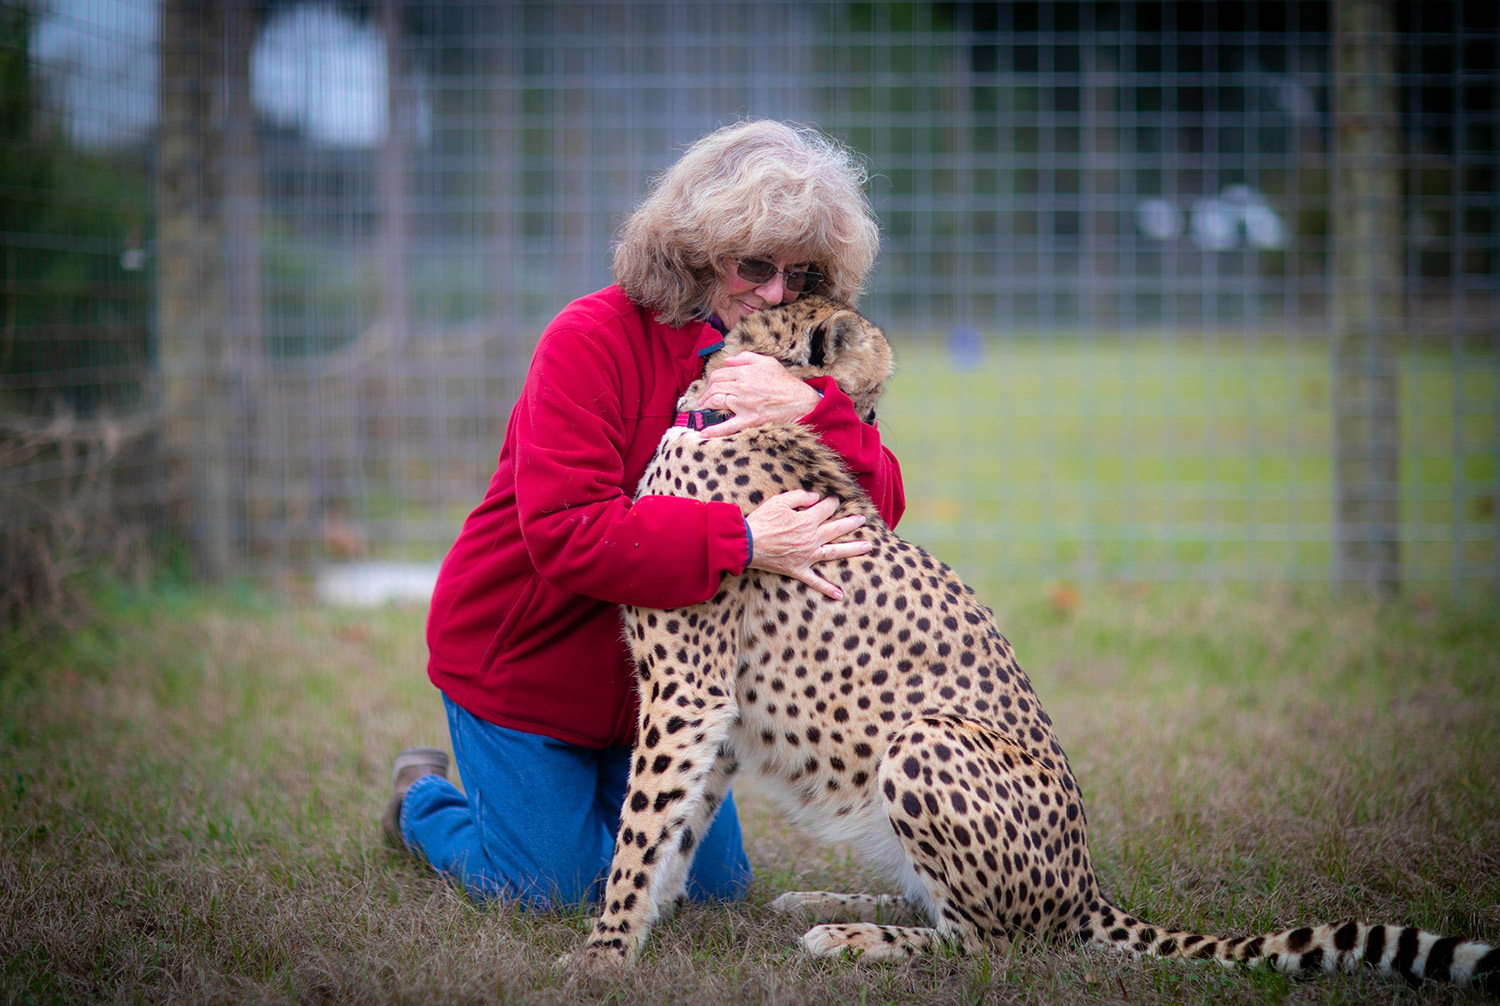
988	832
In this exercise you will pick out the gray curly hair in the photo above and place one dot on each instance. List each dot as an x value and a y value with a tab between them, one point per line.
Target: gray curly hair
755	188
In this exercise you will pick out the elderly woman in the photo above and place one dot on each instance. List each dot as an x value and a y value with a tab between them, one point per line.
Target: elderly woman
524	632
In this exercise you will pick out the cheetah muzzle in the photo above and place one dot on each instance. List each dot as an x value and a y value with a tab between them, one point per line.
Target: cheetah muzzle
896	720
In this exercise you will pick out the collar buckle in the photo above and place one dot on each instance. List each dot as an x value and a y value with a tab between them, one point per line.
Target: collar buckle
700	419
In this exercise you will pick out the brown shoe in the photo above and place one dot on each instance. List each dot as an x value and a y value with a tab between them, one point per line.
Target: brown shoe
411	765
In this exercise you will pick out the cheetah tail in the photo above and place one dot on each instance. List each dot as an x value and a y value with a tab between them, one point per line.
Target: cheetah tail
1394	951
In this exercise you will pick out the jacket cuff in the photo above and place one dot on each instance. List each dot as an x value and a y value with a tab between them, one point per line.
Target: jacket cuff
833	408
730	544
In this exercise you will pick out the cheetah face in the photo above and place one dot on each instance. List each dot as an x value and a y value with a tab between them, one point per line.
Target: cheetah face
813	336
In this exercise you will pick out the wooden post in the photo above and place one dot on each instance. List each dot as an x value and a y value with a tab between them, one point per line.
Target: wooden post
193	340
1367	291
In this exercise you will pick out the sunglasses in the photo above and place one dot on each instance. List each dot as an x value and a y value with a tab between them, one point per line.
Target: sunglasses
759	272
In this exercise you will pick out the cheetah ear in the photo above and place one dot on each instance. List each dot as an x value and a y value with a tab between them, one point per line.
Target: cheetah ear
816	346
832	336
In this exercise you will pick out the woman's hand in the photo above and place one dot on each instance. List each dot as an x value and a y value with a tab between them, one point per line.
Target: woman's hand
756	390
791	533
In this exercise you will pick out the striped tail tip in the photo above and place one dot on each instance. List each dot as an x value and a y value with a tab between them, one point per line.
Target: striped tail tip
1411	954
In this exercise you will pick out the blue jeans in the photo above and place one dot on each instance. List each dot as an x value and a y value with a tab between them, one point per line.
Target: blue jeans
539	820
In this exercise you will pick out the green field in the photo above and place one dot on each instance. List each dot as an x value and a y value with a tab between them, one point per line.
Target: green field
1171	457
190	784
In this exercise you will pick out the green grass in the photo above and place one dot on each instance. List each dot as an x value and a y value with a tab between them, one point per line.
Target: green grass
189	788
1155	456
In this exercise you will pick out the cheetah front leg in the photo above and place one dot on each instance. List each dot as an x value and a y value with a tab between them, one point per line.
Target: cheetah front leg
677	783
675	873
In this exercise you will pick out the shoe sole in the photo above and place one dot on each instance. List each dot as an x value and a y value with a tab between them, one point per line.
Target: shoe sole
390	821
409	757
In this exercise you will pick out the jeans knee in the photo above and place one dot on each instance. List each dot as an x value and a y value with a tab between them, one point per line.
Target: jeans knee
560	882
729	883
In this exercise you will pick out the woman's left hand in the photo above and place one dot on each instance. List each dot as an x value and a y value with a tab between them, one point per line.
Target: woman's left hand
755	390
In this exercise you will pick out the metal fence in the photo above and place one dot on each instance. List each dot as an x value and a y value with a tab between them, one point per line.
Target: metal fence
1180	290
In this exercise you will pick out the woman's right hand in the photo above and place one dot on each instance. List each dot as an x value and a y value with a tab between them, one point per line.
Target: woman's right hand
791	533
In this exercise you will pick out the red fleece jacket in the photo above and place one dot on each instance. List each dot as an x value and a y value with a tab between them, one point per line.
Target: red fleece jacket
524	629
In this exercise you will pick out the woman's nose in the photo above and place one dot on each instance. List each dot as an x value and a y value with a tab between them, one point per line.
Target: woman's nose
773	290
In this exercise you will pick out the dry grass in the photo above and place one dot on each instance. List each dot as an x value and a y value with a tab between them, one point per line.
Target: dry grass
189	791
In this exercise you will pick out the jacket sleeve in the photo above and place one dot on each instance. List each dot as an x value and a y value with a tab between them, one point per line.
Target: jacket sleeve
583	533
858	443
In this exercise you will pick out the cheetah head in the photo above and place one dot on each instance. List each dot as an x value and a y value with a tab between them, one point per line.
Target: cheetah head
813	336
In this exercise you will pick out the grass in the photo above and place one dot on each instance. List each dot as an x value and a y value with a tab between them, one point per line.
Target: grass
1171	456
189	788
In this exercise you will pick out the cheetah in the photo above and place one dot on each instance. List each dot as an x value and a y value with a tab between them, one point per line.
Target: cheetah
896	720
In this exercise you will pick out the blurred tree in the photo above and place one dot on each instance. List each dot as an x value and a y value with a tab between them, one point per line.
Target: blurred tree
74	283
205	368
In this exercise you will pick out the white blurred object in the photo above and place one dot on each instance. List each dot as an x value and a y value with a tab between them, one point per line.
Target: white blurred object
98	67
372	584
1219	223
1158	219
1216	226
318	69
1264	228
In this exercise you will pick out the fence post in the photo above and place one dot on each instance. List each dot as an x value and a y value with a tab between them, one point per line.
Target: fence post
1367	302
205	441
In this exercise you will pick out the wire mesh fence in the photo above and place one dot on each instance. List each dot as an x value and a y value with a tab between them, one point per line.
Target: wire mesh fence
1178	290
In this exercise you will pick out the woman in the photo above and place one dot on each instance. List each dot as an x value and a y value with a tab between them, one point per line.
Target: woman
524	630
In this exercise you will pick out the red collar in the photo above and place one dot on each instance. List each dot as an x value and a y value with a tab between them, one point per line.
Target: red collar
700	419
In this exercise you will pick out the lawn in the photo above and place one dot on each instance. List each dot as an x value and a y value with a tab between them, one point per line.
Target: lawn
191	783
1178	457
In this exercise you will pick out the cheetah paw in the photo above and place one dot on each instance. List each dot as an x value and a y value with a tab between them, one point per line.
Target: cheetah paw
863	939
595	959
829	941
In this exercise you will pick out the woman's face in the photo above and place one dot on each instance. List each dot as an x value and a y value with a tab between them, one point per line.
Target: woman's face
738	297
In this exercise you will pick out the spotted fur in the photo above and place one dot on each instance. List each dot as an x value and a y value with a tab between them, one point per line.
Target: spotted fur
896	720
